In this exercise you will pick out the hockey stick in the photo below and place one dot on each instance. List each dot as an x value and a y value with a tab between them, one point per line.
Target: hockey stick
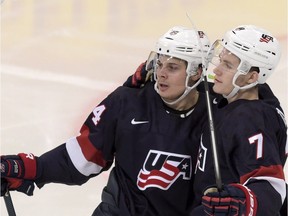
210	114
9	204
212	133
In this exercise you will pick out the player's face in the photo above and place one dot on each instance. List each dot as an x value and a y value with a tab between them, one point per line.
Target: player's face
224	72
171	76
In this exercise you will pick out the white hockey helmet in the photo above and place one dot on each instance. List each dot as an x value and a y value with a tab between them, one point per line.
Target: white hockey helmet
255	47
185	44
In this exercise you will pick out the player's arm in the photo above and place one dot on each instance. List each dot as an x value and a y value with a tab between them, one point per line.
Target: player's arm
255	155
72	163
252	198
55	166
20	172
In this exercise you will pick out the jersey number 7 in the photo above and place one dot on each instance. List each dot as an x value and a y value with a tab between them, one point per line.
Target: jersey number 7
258	140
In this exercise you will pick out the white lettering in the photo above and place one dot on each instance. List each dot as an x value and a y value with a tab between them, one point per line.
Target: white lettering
30	156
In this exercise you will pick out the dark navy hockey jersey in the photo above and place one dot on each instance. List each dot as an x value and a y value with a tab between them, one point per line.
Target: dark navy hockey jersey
251	138
154	147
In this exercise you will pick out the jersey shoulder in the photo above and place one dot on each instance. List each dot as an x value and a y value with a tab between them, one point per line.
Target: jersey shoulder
245	114
266	94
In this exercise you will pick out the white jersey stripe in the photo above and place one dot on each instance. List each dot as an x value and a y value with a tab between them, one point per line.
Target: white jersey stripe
278	184
82	165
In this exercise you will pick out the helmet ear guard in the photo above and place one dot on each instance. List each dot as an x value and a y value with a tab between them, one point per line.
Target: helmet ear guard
193	67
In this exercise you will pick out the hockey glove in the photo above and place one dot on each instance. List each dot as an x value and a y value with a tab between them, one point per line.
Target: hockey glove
139	78
18	173
234	199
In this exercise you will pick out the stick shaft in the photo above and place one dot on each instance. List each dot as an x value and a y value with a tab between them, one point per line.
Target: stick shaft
210	115
213	137
9	204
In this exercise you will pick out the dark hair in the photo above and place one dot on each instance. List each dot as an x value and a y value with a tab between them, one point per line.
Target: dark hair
254	69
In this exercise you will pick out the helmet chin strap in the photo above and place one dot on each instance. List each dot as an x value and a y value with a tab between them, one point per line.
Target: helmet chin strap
232	93
187	90
236	88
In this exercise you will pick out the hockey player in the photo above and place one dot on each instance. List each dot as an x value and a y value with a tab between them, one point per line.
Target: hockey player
256	48
250	134
151	134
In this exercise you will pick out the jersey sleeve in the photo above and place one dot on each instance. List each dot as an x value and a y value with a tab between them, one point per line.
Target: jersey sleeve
56	166
92	151
86	155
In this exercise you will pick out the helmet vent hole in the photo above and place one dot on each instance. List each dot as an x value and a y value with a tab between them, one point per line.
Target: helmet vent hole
240	46
273	53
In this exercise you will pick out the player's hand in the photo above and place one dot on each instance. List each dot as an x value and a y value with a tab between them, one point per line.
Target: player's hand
139	78
18	172
20	185
233	199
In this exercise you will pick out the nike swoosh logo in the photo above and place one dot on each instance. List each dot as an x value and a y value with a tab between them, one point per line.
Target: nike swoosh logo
134	122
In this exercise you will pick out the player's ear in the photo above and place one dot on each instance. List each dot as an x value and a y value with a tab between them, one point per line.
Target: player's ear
252	77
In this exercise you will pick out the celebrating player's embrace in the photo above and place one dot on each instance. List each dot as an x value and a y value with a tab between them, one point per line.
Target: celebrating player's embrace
157	133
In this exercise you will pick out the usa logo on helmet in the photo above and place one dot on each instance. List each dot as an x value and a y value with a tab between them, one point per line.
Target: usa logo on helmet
266	38
174	32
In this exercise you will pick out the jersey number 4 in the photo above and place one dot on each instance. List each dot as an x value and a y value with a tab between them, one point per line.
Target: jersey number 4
97	113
